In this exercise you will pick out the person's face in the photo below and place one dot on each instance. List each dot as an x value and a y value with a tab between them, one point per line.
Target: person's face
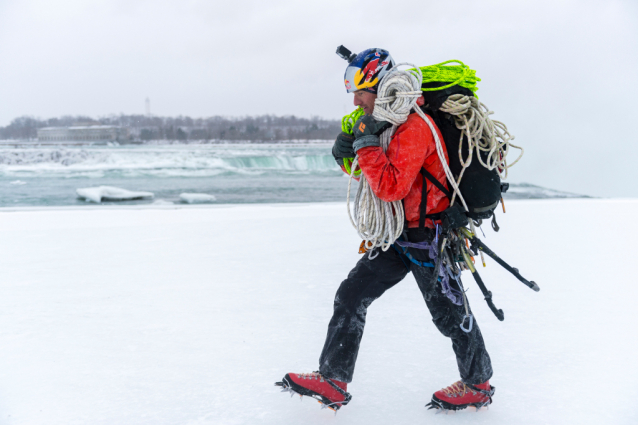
365	100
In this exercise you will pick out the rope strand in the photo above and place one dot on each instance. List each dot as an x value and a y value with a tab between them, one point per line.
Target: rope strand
380	223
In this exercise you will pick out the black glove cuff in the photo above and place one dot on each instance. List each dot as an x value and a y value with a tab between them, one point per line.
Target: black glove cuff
366	141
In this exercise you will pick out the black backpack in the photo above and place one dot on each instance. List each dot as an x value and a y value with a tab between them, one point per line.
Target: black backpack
481	188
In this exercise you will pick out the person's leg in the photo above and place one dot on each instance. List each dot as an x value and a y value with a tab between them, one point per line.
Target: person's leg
472	358
475	366
366	282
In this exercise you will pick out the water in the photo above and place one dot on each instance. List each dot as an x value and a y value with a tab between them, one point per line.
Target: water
234	173
237	173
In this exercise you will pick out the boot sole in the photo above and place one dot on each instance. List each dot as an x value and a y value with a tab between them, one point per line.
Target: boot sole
444	405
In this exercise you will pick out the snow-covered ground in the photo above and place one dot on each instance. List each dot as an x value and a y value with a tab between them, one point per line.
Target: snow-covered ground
189	315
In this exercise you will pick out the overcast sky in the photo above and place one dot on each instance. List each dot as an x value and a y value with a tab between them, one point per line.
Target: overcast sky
561	74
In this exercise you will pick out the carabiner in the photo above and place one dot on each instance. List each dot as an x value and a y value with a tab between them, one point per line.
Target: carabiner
469	328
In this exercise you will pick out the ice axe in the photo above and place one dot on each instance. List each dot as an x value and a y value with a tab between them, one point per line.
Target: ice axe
487	294
477	245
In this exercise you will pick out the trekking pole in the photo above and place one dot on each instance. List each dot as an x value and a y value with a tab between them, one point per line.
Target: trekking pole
477	244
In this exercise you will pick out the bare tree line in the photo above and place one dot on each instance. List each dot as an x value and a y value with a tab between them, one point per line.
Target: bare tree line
262	128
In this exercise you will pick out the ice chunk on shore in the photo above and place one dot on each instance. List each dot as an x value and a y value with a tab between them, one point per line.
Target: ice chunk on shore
110	193
196	198
163	202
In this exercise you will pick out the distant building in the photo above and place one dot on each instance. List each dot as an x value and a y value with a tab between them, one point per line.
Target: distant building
83	133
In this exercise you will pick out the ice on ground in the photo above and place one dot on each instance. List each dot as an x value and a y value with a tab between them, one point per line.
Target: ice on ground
163	202
18	182
197	198
530	191
110	193
189	315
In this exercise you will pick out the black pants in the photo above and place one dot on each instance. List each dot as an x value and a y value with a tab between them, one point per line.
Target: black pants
368	281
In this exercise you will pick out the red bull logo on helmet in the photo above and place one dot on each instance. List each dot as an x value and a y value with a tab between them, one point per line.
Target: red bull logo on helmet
366	70
370	70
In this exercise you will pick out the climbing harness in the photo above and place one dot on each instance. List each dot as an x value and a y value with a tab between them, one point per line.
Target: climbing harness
444	272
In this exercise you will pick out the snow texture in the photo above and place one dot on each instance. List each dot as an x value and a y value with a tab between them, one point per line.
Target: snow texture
189	315
196	198
110	193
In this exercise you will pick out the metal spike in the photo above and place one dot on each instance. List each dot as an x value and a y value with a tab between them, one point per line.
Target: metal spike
292	393
433	405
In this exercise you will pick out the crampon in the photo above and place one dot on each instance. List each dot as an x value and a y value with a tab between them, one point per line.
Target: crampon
459	396
330	393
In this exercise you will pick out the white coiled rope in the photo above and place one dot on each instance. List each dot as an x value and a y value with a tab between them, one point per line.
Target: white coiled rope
380	223
483	135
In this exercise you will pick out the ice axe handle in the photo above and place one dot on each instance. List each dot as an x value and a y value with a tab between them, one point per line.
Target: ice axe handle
497	311
480	245
488	297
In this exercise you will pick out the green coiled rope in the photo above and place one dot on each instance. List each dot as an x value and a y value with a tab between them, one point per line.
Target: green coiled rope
347	122
459	74
347	165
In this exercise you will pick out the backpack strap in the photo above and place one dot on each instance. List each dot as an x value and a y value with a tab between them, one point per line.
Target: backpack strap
426	174
424	200
423	215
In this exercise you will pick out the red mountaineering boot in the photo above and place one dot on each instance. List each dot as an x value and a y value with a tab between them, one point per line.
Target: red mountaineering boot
330	393
458	396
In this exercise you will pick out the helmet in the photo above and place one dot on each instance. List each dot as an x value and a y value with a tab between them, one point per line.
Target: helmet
366	70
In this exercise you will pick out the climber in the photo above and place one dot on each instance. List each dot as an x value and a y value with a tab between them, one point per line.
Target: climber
394	175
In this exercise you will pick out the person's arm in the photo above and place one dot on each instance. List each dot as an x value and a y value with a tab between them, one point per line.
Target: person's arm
392	174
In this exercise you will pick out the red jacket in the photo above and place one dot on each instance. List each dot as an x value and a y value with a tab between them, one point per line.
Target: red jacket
395	174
